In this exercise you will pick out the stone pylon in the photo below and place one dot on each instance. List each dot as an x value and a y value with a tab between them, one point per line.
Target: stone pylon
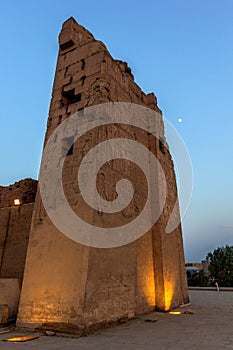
67	284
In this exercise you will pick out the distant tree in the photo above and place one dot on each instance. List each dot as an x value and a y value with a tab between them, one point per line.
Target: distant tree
221	266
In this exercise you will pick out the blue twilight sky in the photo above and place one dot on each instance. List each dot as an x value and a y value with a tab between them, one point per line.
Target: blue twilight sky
182	50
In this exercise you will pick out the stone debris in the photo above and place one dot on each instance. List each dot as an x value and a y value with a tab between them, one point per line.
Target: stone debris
50	333
188	312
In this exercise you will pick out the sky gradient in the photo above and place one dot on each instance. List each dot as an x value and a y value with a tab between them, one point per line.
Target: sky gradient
181	50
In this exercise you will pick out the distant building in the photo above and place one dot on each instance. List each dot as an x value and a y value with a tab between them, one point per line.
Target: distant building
193	272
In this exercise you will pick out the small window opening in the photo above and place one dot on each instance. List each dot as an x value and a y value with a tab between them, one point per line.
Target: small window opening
161	146
97	88
83	63
83	79
70	97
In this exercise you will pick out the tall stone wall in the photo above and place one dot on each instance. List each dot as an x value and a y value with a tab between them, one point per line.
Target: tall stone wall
64	281
15	224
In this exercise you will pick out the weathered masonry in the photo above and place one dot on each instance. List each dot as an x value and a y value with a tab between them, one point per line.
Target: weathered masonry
65	283
16	208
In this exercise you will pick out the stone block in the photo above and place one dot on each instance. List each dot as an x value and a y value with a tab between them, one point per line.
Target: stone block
9	295
4	313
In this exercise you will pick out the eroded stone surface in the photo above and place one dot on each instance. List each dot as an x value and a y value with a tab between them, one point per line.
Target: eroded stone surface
15	224
65	282
4	313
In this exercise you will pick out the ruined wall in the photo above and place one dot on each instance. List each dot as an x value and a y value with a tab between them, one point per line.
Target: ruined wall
15	223
68	283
